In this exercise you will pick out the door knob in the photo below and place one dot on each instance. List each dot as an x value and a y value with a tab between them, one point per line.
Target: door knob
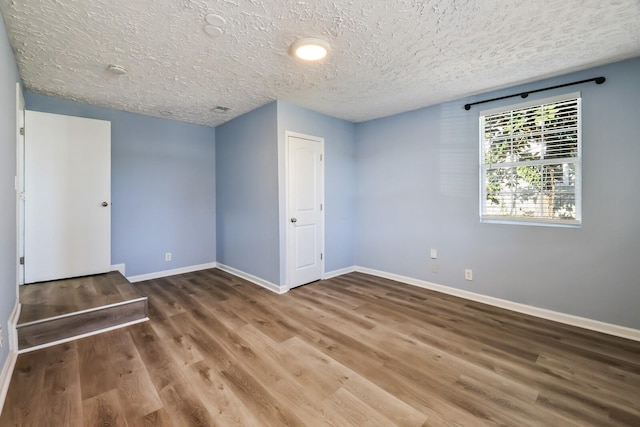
294	219
105	204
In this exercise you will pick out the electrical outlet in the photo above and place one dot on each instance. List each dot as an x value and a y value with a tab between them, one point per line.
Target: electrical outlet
167	256
1	337
468	274
434	267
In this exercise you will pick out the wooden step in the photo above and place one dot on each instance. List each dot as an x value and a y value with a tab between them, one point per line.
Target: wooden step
66	309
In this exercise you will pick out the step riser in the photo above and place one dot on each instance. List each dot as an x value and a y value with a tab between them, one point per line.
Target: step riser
51	330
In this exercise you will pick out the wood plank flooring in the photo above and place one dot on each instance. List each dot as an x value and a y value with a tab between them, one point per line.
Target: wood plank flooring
354	350
63	309
60	297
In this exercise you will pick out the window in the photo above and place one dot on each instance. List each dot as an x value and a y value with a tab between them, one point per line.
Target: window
530	166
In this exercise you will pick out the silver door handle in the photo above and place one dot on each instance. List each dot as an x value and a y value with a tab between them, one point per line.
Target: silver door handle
105	204
294	219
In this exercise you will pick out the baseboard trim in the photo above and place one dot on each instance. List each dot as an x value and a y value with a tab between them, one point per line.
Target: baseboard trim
10	363
173	272
5	376
13	326
119	267
253	279
568	319
335	273
77	337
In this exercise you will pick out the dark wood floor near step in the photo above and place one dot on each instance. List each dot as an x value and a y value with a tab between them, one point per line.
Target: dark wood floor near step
45	300
350	351
62	309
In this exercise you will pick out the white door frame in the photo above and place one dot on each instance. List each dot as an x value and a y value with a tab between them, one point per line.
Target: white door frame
20	107
288	234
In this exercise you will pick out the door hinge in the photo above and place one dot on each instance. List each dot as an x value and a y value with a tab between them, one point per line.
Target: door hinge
320	206
22	131
320	256
320	157
21	260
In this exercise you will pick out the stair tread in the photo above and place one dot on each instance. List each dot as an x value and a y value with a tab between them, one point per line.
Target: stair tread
60	297
64	309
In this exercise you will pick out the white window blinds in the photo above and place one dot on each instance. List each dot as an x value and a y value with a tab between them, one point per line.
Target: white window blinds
530	162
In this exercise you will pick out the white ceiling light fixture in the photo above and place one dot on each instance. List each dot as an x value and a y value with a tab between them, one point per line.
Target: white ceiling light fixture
309	49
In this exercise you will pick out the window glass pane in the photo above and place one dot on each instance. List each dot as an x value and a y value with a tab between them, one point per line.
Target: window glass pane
531	191
530	162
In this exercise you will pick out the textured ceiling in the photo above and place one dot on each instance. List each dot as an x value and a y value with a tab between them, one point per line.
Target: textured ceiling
388	56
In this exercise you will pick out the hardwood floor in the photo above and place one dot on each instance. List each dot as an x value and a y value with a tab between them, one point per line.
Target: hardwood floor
63	309
350	351
61	297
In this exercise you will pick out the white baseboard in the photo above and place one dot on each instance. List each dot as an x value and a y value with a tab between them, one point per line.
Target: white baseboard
12	325
5	376
10	363
568	319
173	272
335	273
119	267
253	279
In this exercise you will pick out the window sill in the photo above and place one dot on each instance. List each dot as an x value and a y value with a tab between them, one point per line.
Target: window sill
532	222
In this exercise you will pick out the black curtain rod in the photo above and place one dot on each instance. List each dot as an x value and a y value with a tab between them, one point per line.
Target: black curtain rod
598	80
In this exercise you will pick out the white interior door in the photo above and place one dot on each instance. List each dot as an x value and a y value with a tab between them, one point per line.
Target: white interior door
67	196
305	198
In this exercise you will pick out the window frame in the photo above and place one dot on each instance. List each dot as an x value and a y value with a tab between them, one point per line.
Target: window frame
534	221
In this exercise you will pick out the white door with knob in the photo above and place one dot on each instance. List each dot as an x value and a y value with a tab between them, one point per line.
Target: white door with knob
67	196
305	210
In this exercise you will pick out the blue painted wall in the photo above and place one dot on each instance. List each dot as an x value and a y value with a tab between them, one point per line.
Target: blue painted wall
8	280
250	188
417	188
339	172
396	187
247	193
162	187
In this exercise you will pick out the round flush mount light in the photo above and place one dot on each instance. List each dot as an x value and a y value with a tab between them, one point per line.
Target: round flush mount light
309	49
